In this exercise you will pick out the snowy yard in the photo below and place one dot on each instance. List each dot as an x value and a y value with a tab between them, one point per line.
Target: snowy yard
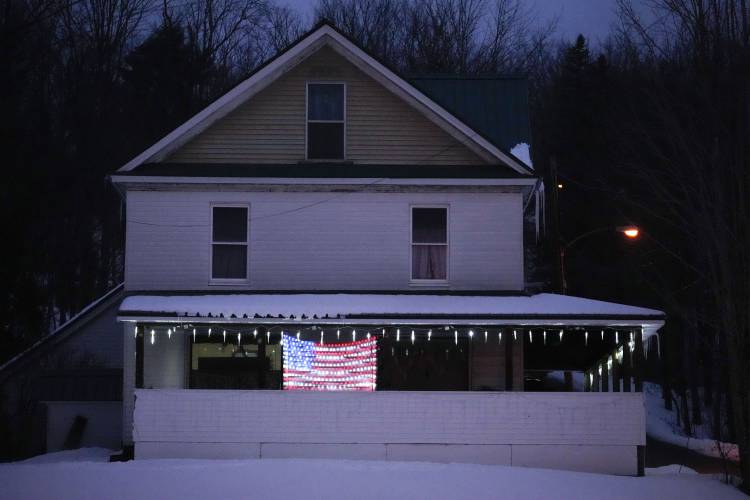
85	474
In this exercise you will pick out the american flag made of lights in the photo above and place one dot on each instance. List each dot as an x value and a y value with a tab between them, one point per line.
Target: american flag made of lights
310	366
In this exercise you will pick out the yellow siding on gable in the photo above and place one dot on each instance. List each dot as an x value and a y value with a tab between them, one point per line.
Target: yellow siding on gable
380	127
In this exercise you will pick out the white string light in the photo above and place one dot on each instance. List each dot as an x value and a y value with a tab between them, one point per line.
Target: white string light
209	332
239	339
617	337
602	334
193	335
561	335
499	337
412	337
298	334
429	335
544	337
455	335
515	335
531	338
354	335
255	333
586	338
136	331
485	336
368	335
225	336
398	335
268	336
153	338
321	337
338	334
471	334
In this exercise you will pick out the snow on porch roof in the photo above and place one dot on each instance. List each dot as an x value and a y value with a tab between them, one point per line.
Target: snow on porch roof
361	307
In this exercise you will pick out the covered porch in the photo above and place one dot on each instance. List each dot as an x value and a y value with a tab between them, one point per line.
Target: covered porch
477	378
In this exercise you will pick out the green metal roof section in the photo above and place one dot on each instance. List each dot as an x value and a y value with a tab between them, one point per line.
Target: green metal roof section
495	106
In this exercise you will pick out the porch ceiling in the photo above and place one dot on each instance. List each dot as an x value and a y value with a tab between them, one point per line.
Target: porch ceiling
386	308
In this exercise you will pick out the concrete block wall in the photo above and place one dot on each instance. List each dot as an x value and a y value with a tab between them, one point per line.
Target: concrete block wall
597	432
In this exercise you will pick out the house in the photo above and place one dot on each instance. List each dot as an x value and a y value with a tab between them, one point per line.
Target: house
329	226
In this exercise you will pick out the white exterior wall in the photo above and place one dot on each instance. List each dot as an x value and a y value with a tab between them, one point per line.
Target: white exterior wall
352	241
579	431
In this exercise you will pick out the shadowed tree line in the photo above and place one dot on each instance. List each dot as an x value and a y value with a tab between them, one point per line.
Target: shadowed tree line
649	127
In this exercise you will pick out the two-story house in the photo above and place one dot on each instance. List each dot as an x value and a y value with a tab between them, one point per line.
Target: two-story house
329	226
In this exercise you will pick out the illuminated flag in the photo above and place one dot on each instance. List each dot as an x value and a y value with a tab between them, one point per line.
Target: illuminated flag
351	366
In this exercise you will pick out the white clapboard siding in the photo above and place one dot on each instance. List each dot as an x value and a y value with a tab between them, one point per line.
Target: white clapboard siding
381	128
322	241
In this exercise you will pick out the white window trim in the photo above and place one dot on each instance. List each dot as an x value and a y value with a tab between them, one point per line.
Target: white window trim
211	242
307	121
427	282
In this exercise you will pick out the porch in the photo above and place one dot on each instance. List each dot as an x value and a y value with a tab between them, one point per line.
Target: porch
450	375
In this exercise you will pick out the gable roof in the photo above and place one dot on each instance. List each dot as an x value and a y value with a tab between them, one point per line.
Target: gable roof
496	106
74	324
326	34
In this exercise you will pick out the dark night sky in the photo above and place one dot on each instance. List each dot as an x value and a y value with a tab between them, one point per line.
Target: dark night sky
593	18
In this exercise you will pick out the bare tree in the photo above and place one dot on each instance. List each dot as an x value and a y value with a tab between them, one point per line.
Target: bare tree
691	154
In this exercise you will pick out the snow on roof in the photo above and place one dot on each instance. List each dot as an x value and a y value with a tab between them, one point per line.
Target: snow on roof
372	305
523	153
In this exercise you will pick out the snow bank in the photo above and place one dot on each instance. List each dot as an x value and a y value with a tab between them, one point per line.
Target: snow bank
546	304
285	479
662	424
523	153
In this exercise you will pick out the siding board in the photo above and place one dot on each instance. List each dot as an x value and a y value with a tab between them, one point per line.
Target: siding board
322	241
381	128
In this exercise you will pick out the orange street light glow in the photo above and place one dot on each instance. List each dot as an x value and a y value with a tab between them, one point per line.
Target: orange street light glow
559	186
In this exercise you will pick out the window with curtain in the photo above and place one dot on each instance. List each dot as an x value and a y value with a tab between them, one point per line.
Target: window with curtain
229	243
325	121
429	243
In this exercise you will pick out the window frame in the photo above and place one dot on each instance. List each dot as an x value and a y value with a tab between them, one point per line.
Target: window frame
422	281
308	121
211	243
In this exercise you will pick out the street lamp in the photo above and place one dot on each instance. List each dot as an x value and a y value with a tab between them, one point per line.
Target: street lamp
631	232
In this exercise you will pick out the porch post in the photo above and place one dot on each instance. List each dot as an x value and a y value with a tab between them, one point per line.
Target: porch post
605	376
586	382
638	360
596	384
518	348
508	341
626	367
615	371
129	380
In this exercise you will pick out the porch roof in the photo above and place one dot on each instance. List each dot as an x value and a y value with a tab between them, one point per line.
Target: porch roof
388	308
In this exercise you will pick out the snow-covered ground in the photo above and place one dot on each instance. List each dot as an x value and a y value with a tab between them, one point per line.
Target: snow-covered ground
85	474
662	424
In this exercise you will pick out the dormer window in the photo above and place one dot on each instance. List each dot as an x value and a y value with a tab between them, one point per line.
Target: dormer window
326	110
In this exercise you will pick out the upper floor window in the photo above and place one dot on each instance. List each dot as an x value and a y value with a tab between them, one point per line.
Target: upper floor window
429	243
229	242
325	121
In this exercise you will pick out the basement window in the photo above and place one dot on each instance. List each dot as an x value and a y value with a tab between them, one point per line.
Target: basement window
326	126
229	239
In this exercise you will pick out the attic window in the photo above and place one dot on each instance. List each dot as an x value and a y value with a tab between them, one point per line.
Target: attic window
325	121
